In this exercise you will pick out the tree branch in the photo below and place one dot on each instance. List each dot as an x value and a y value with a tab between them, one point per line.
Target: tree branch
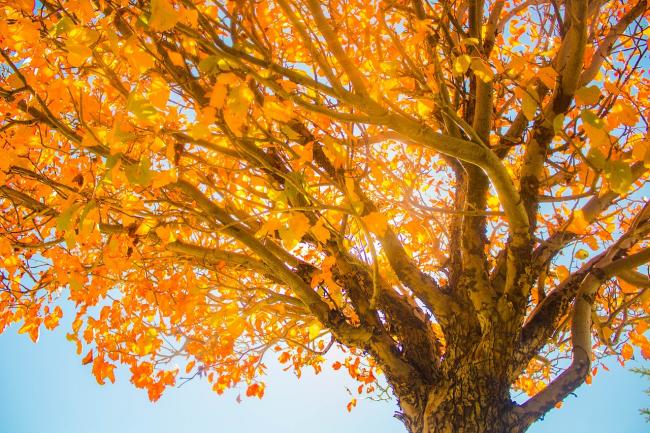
543	320
581	322
605	47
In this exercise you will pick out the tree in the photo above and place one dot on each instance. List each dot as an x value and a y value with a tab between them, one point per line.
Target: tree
452	191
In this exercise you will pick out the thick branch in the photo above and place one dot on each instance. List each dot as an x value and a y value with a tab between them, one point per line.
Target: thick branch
214	255
424	286
575	375
410	131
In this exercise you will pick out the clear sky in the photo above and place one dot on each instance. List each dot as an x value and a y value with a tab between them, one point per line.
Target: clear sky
45	389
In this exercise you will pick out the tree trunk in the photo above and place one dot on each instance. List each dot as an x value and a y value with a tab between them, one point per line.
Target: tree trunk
463	403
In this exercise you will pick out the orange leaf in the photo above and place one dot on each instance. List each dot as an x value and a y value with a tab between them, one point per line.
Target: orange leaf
163	16
578	223
255	390
320	233
294	230
627	352
376	223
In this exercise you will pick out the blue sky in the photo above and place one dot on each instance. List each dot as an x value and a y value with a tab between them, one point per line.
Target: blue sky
44	388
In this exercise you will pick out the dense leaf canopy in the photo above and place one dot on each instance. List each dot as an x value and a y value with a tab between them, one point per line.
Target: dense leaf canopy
420	183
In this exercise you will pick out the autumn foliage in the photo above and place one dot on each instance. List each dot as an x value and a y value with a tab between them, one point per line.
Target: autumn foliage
454	193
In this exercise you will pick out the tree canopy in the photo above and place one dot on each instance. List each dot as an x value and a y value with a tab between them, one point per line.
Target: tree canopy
454	192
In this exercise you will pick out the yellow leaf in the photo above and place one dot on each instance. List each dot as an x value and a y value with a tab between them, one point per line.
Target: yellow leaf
191	17
547	76
255	390
305	155
220	89
159	92
78	44
578	223
145	227
587	95
558	123
482	70
163	16
493	202
641	152
461	64
162	178
166	234
529	104
176	58
30	328
199	130
314	330
562	272
77	54
201	126
170	153
236	110
598	136
335	151
140	107
157	145
52	320
218	95
294	230
138	58
277	110
269	227
581	254
624	113
516	66
424	107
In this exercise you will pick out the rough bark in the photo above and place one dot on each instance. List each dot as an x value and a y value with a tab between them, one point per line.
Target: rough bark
469	400
471	393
